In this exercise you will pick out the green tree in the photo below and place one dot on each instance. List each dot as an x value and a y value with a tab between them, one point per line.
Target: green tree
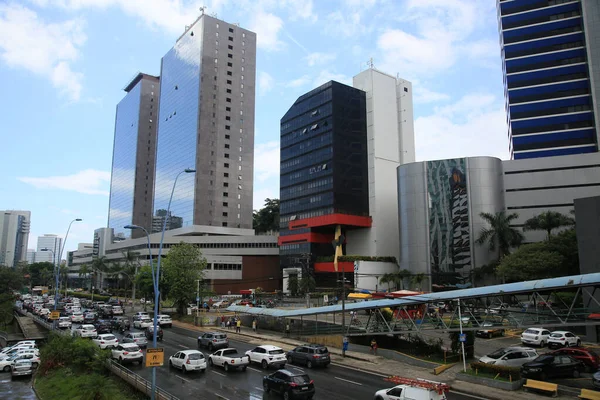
64	277
531	261
35	270
144	281
307	284
455	344
84	271
100	266
44	276
10	281
397	278
267	218
182	268
417	279
131	265
500	235
292	285
565	244
548	221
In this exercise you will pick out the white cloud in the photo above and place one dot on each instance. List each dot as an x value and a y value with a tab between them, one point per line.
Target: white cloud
319	58
469	127
89	181
345	23
303	80
266	161
267	27
46	49
424	95
265	83
262	193
300	9
326	76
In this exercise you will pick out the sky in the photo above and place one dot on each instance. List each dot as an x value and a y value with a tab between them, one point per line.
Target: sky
64	64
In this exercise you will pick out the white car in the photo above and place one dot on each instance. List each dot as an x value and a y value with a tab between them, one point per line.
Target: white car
87	331
407	392
12	350
188	360
19	352
165	320
7	363
267	355
142	323
535	336
127	352
77	317
563	339
510	356
106	341
64	322
117	310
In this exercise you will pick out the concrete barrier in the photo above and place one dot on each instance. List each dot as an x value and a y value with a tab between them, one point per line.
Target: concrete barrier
139	383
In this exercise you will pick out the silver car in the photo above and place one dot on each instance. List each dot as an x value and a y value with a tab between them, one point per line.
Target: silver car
510	356
213	340
21	368
138	338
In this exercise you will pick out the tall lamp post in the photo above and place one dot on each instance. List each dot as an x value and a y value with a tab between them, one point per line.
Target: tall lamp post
157	274
56	272
337	246
149	255
60	251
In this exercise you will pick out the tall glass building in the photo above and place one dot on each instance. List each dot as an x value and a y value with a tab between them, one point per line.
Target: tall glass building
324	171
551	65
206	122
132	175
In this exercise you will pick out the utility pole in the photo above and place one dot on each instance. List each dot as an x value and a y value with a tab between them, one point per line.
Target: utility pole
337	246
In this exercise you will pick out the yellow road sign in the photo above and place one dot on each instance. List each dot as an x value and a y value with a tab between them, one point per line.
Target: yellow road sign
54	315
155	357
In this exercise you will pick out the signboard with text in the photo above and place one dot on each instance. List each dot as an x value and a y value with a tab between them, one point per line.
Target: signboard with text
54	315
155	357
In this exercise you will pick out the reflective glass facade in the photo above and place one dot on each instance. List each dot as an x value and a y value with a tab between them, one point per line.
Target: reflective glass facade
549	95
178	125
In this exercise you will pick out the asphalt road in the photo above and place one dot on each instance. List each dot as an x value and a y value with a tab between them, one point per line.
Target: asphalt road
333	382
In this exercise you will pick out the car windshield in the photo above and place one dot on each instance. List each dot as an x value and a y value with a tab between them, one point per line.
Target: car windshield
531	331
544	358
300	379
321	350
196	356
276	351
108	337
137	335
220	337
498	353
556	335
131	348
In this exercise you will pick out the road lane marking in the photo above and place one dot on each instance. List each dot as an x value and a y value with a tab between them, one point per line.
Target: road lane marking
346	380
218	373
220	396
257	388
299	369
185	380
181	345
254	369
468	395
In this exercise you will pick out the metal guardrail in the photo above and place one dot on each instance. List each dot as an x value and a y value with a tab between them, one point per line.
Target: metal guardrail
139	383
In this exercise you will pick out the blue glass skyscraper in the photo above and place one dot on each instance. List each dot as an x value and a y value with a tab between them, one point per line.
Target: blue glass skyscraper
551	66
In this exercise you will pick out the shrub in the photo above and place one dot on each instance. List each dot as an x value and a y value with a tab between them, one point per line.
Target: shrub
510	373
67	351
97	297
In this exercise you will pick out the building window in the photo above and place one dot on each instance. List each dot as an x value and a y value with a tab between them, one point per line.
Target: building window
242	77
224	224
226	146
228	82
231	30
226	155
241	85
230	47
225	194
228	127
230	55
228	118
227	108
217	34
243	43
225	214
238	216
240	187
239	177
226	165
229	91
225	204
243	59
239	206
406	89
226	174
228	100
216	42
231	38
229	64
225	184
243	34
229	73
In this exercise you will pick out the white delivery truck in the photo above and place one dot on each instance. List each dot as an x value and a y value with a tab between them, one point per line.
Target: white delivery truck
413	389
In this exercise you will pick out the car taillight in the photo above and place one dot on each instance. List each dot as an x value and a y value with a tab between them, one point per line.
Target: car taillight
233	361
562	338
293	384
316	356
311	382
214	340
188	362
125	353
101	342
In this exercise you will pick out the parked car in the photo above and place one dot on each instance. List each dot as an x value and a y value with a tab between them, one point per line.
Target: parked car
229	358
289	384
86	331
588	357
149	332
267	355
552	366
535	336
142	323
510	356
490	329
21	368
7	363
188	360
563	339
310	355
221	304
106	341
165	320
127	352
137	338
20	352
213	340
64	323
18	346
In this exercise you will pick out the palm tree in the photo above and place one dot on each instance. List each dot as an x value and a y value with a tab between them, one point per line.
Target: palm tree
132	263
84	271
548	221
397	278
99	266
417	279
64	276
500	235
45	275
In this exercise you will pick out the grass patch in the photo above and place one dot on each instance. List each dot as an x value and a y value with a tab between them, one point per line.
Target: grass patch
63	383
485	375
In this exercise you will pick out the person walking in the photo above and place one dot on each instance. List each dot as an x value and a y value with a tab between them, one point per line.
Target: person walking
374	346
287	329
254	325
222	321
238	326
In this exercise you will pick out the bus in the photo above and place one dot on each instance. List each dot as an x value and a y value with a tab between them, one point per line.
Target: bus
39	290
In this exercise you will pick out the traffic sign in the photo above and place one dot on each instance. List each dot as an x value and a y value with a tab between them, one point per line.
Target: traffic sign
155	357
462	337
54	315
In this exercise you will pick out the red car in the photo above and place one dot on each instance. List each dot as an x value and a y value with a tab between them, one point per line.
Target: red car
588	357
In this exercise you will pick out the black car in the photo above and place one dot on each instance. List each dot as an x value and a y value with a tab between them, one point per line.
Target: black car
149	332
90	318
103	326
292	385
552	365
120	324
310	355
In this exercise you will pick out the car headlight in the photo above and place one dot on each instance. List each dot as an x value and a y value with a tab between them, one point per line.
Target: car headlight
492	362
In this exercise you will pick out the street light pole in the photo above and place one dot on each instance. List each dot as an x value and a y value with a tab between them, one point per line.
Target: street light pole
156	282
149	255
462	343
60	251
337	244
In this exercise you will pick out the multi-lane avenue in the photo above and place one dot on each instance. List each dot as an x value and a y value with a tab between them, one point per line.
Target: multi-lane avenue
333	382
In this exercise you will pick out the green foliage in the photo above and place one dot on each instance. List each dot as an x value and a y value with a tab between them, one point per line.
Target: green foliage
10	280
307	284
532	261
40	273
397	278
500	235
509	373
144	281
97	297
293	285
455	344
77	353
548	221
267	218
181	269
358	258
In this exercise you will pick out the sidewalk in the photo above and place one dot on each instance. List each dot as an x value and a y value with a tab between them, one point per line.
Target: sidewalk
377	364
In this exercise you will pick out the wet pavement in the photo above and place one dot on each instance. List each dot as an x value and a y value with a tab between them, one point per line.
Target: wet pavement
19	389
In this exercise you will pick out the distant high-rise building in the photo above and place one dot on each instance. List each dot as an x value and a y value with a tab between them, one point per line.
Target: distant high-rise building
206	122
30	256
14	235
51	242
324	183
551	65
134	151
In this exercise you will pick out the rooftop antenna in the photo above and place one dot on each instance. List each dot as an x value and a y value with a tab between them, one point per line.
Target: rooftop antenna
202	10
370	63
